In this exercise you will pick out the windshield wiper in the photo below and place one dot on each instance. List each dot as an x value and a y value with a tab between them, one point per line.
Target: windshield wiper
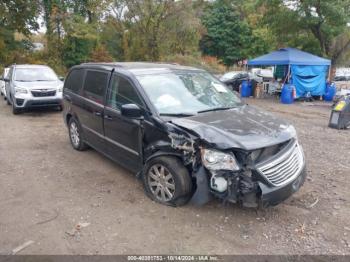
177	114
215	109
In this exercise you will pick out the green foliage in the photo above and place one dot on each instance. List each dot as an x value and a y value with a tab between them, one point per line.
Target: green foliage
19	15
112	37
312	25
100	54
210	64
227	35
194	32
81	39
15	16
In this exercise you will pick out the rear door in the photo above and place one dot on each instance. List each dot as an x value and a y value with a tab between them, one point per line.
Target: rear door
72	99
122	134
91	118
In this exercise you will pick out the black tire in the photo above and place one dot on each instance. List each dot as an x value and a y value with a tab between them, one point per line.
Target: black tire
77	145
8	101
15	110
181	179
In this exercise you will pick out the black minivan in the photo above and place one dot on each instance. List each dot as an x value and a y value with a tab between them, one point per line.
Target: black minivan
183	132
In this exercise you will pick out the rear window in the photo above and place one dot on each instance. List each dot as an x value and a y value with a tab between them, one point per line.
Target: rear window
95	85
74	81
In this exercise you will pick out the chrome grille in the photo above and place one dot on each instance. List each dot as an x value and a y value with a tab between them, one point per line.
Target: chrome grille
285	168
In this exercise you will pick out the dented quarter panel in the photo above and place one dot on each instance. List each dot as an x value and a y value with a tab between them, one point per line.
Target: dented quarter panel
244	127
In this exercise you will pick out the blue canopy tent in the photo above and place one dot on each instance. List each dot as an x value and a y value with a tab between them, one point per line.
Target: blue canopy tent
308	72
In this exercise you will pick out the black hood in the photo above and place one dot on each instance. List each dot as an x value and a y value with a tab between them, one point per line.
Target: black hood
244	127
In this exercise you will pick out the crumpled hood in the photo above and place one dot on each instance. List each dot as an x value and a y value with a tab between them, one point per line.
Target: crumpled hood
39	84
244	127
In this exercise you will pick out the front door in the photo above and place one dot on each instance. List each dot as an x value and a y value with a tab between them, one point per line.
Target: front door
122	134
91	119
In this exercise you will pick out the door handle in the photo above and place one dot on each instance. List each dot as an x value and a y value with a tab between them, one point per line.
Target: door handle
108	117
97	113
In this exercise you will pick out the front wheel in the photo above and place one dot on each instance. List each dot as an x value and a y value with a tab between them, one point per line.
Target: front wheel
75	135
167	181
15	110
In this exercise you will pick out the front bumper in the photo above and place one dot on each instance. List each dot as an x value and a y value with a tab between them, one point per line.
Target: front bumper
28	101
245	191
272	196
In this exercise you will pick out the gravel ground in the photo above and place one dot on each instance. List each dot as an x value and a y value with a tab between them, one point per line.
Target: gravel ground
47	189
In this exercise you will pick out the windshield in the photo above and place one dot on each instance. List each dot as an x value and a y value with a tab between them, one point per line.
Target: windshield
187	92
35	74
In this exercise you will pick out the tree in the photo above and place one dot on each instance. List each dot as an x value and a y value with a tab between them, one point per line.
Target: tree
79	42
19	15
228	35
313	25
15	16
182	29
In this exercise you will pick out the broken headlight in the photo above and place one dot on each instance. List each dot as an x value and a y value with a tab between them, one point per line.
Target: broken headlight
216	160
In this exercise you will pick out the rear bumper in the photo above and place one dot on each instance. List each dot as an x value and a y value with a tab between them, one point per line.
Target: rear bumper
272	196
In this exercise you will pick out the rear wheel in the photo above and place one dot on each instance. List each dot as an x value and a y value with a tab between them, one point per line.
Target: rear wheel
75	135
167	181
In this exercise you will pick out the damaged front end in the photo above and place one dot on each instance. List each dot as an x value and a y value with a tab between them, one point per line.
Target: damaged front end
252	178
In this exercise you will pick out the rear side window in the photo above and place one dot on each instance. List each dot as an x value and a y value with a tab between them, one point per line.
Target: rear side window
95	85
122	92
75	79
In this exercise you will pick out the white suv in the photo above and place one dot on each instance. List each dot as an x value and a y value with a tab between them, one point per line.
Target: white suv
32	86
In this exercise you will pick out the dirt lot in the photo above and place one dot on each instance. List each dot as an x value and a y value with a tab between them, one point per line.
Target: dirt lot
46	188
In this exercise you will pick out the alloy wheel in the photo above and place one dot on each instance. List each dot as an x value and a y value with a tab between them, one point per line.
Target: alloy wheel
74	134
161	183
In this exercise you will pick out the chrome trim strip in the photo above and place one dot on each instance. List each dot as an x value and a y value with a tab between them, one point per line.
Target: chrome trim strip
91	101
111	140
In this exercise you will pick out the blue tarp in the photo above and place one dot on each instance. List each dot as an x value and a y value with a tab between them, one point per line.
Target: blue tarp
309	79
309	72
289	56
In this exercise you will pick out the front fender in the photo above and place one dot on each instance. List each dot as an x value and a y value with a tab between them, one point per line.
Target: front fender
163	153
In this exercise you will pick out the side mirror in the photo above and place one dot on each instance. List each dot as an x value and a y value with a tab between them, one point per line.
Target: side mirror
6	79
61	78
131	111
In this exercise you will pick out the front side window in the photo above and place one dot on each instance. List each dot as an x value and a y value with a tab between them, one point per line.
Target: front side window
95	85
122	92
187	92
35	74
